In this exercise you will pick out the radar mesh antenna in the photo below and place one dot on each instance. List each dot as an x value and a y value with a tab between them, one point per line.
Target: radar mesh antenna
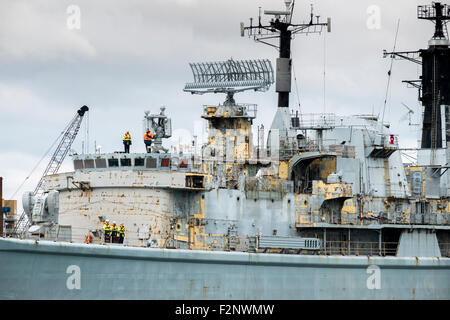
230	76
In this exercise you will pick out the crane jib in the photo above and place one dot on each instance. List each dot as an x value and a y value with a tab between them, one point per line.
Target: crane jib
55	162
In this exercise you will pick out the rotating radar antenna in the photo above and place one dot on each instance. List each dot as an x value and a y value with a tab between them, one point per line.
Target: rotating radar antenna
230	76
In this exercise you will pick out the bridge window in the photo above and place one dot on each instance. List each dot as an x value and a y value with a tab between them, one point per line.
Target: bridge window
78	164
151	162
139	162
113	162
100	163
125	162
184	163
165	162
89	163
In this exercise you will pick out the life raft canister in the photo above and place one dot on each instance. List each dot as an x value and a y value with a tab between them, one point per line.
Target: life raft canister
392	139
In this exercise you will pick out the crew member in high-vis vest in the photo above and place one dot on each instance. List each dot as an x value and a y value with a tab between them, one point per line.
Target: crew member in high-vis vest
106	228
113	230
127	142
121	232
148	137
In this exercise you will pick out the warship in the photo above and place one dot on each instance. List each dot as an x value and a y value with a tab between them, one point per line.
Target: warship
324	208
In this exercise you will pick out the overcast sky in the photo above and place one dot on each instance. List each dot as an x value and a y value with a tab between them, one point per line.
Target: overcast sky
132	55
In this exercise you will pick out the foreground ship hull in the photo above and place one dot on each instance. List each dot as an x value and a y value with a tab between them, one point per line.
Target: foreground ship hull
55	270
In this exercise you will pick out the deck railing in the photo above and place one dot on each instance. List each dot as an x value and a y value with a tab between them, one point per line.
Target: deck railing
360	248
345	248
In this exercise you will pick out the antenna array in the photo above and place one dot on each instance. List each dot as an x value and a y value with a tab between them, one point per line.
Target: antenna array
230	76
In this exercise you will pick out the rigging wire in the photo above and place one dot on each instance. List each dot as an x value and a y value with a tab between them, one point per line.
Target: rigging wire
85	142
419	115
390	74
292	11
87	132
297	91
411	158
324	71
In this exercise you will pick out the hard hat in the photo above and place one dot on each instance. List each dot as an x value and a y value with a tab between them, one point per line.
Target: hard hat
107	220
114	222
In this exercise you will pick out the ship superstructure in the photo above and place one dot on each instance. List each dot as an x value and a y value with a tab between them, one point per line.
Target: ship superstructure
335	182
338	180
322	185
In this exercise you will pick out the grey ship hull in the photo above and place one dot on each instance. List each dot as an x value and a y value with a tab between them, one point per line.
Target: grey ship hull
56	270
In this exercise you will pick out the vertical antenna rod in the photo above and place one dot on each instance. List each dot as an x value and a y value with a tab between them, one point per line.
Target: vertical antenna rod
390	74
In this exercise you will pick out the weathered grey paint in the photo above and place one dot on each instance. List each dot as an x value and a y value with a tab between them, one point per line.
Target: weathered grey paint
418	242
45	270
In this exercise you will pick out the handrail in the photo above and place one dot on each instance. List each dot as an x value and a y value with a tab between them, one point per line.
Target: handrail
345	248
360	248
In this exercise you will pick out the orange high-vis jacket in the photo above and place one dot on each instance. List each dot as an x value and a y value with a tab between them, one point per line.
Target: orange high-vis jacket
148	135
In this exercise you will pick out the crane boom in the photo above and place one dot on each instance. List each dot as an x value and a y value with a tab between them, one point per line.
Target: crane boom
55	162
63	148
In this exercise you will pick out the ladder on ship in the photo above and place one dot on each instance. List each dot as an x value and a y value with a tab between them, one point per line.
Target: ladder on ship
387	178
68	136
445	30
38	206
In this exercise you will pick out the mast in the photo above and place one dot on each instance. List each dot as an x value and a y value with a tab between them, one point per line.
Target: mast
282	142
435	74
280	26
434	85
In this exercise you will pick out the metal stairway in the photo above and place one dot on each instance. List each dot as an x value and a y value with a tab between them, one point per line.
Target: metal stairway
434	109
38	206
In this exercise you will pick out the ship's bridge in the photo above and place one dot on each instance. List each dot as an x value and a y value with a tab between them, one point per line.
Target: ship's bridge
132	161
